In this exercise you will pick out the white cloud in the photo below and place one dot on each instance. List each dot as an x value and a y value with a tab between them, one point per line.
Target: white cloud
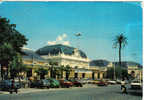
60	40
26	48
66	43
51	42
64	35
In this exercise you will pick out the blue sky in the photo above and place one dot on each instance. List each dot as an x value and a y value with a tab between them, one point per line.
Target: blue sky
98	22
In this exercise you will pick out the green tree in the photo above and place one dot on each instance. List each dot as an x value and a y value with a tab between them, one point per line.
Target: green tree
124	73
118	72
53	69
11	42
5	51
62	68
110	73
57	72
120	41
68	69
42	72
16	67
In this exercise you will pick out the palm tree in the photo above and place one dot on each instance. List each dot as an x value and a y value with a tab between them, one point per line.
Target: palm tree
68	70
62	68
52	69
120	41
42	72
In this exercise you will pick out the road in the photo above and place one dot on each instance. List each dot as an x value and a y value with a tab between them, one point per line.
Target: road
112	92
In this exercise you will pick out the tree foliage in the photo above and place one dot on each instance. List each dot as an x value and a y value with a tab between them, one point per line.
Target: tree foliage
16	66
119	72
120	41
6	52
110	73
68	69
11	41
42	72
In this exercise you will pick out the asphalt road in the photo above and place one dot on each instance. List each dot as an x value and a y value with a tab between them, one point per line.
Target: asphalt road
89	93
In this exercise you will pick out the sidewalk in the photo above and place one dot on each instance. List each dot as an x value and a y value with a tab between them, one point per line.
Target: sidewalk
32	90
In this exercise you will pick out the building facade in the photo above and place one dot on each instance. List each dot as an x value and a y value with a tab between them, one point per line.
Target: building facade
81	65
65	55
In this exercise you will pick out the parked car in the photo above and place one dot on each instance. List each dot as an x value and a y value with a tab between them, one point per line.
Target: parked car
83	81
7	85
112	82
54	83
96	81
34	84
65	83
40	83
118	81
102	83
136	84
76	83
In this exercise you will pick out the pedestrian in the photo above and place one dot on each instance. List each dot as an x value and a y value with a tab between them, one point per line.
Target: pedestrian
123	86
13	87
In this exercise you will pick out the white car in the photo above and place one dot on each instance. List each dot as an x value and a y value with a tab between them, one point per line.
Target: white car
136	85
111	82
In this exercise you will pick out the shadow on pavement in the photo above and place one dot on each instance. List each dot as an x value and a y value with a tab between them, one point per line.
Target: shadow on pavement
134	93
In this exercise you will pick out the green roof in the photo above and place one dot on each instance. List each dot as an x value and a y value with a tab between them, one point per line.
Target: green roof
31	55
100	63
59	48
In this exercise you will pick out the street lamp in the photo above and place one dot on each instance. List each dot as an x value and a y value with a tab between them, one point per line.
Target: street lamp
114	62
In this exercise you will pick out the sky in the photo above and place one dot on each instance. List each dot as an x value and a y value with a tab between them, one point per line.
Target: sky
49	23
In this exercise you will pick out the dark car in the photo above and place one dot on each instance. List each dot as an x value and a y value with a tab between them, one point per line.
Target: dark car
44	83
102	83
76	83
65	83
54	83
40	83
34	84
6	85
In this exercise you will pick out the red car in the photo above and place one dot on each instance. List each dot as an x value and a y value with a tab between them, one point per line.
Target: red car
102	83
76	83
65	83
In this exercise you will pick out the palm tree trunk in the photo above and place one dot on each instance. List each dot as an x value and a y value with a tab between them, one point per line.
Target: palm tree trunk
120	55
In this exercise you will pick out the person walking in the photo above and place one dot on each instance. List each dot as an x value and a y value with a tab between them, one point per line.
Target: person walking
123	86
13	88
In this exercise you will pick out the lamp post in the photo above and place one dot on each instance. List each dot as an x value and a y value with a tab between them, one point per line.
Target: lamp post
114	63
